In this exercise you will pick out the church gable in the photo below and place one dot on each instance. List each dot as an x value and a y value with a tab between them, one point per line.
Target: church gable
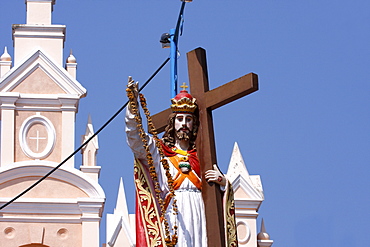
38	74
38	83
246	190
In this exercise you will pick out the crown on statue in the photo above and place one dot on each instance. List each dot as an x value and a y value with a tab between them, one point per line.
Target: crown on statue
183	102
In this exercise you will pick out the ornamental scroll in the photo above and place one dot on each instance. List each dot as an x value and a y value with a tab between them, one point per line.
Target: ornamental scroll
147	211
229	217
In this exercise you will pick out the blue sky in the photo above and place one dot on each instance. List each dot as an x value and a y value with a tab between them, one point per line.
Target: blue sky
306	131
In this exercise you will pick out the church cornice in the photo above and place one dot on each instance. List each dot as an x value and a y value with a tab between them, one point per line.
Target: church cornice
50	210
247	208
8	101
39	31
39	102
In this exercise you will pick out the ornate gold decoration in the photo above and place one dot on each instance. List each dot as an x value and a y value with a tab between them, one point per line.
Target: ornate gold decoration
183	102
170	241
229	217
149	213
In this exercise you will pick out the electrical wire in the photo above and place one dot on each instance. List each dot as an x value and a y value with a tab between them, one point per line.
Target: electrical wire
86	142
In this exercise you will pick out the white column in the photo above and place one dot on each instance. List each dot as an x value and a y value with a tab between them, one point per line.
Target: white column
68	129
7	127
72	69
92	171
39	12
4	67
91	215
246	221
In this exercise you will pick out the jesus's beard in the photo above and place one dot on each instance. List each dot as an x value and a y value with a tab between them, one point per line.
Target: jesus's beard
182	135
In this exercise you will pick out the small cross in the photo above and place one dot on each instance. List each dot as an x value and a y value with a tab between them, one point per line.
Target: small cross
37	138
184	86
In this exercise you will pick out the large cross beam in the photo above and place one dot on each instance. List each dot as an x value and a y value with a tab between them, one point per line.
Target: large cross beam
208	101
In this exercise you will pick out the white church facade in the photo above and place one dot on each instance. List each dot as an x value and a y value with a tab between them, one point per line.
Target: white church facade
39	98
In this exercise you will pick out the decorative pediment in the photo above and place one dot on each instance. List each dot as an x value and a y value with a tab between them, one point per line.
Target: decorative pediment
38	74
38	82
244	189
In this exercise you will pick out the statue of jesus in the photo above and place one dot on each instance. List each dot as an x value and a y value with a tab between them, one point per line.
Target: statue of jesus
178	145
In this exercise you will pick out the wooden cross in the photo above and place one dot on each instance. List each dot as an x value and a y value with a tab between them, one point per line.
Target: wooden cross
208	101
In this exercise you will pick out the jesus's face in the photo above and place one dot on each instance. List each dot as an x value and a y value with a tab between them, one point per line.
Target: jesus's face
183	125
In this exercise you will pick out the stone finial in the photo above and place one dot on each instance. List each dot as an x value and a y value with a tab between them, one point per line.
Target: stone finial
5	62
5	56
263	235
71	58
263	239
71	65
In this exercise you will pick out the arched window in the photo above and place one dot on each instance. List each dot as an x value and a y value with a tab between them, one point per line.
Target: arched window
89	158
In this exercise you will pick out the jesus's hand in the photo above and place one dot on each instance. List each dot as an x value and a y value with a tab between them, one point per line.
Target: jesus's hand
134	86
215	176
